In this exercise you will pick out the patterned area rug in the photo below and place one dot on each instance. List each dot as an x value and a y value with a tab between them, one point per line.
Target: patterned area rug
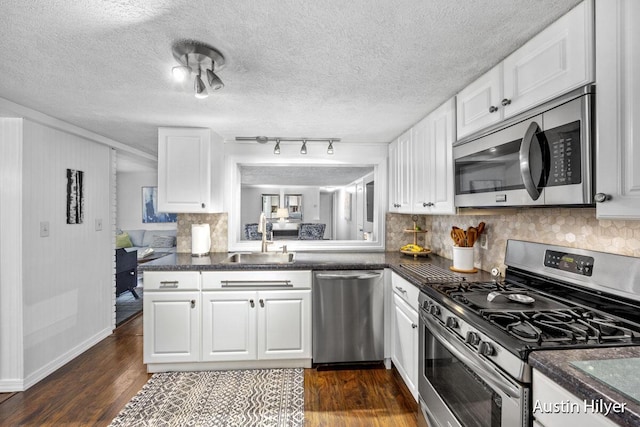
264	397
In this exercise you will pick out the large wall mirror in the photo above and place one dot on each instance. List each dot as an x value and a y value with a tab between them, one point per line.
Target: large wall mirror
321	204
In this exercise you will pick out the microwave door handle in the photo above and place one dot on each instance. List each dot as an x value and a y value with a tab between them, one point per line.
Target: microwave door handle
525	161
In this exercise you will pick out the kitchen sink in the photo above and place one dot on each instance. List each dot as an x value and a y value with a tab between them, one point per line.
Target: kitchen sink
261	258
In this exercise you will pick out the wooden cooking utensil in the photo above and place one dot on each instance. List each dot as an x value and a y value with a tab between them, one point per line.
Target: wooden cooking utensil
472	236
481	228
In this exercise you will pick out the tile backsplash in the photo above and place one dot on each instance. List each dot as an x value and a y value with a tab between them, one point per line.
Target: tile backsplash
572	227
219	227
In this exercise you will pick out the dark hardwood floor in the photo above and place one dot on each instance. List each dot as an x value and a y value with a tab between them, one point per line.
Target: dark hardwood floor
93	388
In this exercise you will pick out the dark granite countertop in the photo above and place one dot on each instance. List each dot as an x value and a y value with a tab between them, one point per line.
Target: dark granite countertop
308	261
557	366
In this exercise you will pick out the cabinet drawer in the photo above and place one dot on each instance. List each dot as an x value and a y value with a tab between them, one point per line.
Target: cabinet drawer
285	279
171	280
405	290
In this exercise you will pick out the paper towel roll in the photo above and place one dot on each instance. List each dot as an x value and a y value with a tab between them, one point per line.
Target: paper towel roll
200	239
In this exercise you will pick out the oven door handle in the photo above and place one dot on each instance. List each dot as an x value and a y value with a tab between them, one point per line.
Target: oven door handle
488	373
525	161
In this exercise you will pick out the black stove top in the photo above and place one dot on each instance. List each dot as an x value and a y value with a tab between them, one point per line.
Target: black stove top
551	315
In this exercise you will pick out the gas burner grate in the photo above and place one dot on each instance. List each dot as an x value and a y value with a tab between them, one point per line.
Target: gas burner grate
432	274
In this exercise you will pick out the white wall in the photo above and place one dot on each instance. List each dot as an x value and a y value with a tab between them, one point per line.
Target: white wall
68	285
129	201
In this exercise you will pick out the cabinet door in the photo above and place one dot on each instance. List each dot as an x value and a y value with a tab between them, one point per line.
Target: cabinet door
229	325
404	346
184	170
393	177
422	166
284	324
400	157
618	107
558	59
478	105
171	327
440	181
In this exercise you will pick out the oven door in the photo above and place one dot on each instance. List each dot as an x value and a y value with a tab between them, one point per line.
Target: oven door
458	388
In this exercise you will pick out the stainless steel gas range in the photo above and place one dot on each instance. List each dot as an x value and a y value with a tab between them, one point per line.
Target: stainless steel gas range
476	337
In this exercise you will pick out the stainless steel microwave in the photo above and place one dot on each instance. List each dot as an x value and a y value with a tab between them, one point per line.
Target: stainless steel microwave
541	158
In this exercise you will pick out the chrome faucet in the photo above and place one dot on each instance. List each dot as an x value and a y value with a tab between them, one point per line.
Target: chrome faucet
262	227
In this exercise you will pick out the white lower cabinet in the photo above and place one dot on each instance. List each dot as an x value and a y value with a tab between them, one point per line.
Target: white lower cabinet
404	331
227	320
405	343
171	327
254	325
553	405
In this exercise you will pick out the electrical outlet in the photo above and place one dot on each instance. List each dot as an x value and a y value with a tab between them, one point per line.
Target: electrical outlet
98	224
44	228
484	241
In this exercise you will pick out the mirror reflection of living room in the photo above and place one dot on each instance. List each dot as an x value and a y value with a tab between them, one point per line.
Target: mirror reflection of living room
142	234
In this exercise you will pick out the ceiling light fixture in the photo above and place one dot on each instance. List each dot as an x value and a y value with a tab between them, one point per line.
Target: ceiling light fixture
193	57
276	149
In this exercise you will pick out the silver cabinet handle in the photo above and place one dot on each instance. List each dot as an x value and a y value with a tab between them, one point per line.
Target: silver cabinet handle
401	289
252	303
203	205
493	109
261	303
413	325
193	303
505	102
525	161
601	197
169	284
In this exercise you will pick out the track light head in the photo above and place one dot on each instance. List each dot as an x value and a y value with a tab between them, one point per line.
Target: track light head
180	73
214	81
303	149
199	87
330	147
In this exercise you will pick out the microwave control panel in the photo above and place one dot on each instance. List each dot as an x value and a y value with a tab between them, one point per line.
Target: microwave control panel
577	264
564	154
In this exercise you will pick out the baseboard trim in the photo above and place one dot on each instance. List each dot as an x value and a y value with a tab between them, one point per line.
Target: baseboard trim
10	386
215	366
63	359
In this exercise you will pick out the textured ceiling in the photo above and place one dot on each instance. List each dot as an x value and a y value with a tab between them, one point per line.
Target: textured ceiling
324	176
363	70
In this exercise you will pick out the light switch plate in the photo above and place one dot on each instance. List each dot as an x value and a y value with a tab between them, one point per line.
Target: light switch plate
44	228
98	224
484	242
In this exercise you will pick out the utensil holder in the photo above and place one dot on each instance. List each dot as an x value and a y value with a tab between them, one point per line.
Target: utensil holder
463	258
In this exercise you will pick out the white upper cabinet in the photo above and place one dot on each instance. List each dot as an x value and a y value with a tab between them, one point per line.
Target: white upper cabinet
421	165
618	109
401	170
557	60
442	131
185	165
477	106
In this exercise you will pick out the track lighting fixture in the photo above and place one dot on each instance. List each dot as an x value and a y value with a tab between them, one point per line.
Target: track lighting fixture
276	149
193	58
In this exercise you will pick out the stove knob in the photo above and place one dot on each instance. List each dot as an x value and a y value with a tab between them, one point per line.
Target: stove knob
452	322
473	338
486	349
434	310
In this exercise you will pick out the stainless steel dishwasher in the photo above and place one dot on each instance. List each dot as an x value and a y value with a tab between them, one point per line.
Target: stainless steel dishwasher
348	316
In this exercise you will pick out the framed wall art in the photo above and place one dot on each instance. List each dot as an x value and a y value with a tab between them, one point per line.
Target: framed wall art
150	212
75	196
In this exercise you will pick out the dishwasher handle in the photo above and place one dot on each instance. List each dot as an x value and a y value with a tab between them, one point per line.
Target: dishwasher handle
348	276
